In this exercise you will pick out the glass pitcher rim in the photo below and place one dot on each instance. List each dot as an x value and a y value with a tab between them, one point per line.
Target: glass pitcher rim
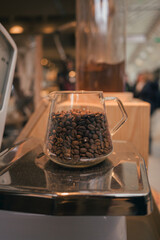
76	92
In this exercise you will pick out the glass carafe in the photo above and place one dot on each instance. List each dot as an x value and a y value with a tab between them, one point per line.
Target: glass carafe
100	45
78	134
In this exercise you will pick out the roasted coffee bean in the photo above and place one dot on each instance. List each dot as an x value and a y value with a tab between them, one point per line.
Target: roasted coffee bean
107	144
94	123
87	145
97	140
51	137
58	152
95	136
83	150
80	133
60	140
66	154
86	133
69	128
78	117
75	135
84	116
75	142
59	129
91	150
61	124
93	146
76	157
90	135
76	151
74	124
91	141
83	155
91	127
85	139
87	121
67	123
97	155
81	123
88	154
68	138
81	128
79	136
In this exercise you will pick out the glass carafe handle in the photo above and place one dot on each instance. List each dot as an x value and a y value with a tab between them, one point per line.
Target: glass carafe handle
123	112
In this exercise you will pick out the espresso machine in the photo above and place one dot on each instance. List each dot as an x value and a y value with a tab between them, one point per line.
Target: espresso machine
41	200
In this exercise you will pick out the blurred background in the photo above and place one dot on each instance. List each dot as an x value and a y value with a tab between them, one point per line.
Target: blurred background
44	32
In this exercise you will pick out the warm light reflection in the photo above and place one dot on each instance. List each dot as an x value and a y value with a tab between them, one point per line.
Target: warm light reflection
44	61
51	75
72	74
48	29
17	29
44	93
64	194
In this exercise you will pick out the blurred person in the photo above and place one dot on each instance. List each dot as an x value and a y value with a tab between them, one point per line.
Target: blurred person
157	76
128	86
146	89
66	77
157	80
139	85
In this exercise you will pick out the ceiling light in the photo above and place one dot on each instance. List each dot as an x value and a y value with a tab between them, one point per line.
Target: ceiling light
16	29
48	29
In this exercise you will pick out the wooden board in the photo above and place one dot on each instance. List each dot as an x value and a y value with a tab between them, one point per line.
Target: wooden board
136	128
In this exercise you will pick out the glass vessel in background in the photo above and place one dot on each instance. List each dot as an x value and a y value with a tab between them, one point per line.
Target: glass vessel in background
78	134
100	45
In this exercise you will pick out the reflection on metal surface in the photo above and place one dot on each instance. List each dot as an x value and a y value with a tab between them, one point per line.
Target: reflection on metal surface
117	186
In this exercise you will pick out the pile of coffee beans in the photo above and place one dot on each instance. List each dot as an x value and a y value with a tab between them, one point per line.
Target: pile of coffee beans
77	136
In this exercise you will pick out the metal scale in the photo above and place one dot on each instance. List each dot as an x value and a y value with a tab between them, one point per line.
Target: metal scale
40	200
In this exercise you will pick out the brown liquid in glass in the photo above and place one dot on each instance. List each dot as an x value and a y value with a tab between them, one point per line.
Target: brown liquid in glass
101	76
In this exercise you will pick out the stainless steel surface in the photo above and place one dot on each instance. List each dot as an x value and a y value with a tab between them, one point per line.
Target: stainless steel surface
30	182
15	226
144	227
